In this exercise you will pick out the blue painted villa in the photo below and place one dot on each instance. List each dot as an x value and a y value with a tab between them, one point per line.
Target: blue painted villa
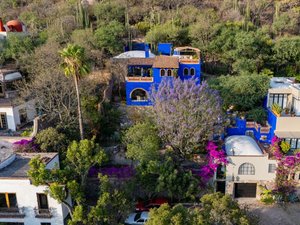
145	69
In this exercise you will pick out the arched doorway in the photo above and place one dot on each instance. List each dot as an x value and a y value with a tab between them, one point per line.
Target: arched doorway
139	95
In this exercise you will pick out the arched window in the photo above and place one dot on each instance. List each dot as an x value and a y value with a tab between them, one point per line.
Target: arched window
139	95
246	169
192	71
162	72
169	73
185	71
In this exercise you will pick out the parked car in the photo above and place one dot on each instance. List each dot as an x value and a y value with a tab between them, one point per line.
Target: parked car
137	218
147	205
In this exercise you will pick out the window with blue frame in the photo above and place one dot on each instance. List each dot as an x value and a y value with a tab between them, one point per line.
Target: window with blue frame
162	72
169	72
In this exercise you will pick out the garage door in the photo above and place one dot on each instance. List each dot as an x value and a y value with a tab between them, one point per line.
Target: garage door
245	190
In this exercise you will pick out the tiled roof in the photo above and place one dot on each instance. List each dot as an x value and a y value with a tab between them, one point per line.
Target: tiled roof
141	61
165	62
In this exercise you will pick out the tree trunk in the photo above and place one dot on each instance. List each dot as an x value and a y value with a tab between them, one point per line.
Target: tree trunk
79	108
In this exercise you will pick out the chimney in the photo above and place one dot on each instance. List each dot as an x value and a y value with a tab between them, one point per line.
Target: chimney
2	29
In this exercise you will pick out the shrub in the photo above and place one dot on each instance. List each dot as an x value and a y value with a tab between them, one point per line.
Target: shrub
285	147
50	140
27	132
276	109
25	146
259	115
266	196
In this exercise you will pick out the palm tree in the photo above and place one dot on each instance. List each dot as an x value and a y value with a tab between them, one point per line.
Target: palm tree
75	65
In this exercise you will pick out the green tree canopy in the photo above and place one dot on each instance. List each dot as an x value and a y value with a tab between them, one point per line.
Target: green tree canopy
215	208
142	142
287	56
50	140
243	92
108	37
166	176
81	156
112	207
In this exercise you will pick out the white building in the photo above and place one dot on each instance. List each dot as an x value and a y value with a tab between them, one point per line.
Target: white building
248	168
12	114
22	203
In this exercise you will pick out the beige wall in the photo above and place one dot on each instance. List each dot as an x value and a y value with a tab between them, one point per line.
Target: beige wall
261	176
288	124
261	164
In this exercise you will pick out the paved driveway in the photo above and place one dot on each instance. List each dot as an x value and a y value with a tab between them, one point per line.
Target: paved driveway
289	214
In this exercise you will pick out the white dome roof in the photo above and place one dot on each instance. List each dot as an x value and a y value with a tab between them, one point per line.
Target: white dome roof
133	54
241	145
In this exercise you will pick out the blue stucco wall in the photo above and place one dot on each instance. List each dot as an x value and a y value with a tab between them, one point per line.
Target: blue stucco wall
130	86
197	68
241	129
156	75
272	120
164	48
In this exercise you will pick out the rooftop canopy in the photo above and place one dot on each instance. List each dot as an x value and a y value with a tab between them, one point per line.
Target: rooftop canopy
240	145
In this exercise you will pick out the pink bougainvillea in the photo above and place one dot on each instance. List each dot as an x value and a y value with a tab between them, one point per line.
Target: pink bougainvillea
286	168
215	157
25	145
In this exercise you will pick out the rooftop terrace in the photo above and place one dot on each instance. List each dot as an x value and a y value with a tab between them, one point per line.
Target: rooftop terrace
19	167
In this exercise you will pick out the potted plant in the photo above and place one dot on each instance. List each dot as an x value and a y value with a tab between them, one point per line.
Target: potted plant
286	110
293	113
276	109
285	146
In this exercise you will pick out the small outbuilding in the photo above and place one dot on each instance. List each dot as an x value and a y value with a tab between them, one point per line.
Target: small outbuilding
248	168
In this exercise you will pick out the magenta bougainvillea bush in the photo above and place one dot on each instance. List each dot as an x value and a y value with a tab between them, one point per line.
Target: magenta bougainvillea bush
287	165
215	157
25	145
122	172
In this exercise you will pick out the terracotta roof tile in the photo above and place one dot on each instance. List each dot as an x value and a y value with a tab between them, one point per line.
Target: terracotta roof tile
166	62
141	61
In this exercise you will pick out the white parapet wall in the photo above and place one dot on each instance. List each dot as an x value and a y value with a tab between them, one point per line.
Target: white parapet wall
26	195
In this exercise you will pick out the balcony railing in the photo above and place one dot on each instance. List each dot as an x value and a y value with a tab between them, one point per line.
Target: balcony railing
12	212
43	213
250	124
189	60
139	79
265	130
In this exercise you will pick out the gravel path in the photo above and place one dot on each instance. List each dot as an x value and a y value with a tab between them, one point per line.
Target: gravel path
288	214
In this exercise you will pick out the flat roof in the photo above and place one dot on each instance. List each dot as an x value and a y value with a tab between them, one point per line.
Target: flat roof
6	150
134	54
280	82
240	145
20	166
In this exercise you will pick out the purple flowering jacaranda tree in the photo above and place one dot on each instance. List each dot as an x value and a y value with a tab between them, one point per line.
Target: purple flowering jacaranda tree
187	114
